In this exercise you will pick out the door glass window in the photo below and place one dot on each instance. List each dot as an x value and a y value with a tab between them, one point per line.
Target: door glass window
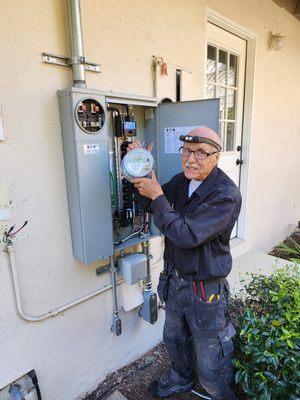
221	82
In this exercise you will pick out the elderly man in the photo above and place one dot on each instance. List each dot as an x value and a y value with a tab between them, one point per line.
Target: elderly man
196	211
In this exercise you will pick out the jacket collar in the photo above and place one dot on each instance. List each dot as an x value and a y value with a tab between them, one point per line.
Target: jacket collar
203	190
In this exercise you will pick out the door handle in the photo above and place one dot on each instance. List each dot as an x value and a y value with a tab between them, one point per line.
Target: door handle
239	162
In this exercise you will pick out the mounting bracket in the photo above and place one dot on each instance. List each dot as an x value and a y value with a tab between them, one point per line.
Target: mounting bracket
64	61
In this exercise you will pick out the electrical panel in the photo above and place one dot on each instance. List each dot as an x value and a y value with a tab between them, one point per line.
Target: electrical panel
86	154
97	128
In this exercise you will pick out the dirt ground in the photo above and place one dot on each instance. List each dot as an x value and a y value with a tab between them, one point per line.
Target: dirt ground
132	381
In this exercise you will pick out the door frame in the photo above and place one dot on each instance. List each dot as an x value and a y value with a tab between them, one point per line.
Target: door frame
250	38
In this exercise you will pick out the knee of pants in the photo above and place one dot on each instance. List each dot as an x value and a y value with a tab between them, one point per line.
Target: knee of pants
212	361
176	338
175	326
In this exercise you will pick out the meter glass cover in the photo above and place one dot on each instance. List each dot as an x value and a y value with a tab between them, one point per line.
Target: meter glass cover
137	163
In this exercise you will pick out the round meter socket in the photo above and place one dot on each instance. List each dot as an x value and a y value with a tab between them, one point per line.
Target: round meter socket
137	163
90	116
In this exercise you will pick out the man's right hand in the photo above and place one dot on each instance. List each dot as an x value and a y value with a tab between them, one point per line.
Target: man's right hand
138	145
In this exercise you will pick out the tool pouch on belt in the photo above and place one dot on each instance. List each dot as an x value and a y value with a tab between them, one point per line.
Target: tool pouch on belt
163	286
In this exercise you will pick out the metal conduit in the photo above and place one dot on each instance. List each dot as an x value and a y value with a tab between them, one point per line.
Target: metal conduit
51	313
77	54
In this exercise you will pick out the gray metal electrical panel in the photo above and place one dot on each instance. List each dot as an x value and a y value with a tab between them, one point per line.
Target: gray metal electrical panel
87	173
97	128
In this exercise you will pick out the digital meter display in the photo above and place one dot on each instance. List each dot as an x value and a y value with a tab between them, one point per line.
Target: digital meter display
137	163
130	125
137	160
129	128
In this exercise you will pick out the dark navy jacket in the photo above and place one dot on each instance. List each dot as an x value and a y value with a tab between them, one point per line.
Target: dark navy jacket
197	229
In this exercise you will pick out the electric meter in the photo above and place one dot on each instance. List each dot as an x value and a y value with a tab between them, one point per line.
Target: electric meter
137	163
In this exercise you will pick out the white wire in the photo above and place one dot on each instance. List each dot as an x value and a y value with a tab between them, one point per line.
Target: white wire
200	395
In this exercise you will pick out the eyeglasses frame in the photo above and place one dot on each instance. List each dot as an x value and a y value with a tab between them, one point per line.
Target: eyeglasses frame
194	151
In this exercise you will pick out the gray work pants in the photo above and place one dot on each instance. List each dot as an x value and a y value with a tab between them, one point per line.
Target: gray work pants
190	320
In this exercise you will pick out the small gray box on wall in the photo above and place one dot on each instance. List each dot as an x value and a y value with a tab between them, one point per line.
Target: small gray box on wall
133	267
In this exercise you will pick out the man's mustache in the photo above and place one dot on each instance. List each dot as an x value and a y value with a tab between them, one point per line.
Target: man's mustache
187	164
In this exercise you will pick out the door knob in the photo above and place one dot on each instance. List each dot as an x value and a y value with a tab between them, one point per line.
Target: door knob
239	162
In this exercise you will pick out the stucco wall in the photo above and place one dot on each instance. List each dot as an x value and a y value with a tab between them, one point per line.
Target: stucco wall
73	352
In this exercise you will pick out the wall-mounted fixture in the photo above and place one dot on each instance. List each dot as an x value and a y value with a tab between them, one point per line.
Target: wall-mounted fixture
24	388
277	41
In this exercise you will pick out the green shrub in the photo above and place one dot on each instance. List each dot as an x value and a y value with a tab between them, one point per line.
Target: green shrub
268	358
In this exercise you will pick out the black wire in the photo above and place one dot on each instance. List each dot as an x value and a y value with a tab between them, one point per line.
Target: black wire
8	234
34	379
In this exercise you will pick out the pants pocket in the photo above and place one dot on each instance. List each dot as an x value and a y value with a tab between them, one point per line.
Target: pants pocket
163	286
208	316
225	336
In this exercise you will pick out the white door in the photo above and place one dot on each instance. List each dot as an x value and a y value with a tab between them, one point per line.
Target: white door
225	78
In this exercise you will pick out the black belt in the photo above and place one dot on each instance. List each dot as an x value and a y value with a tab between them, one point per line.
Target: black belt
189	277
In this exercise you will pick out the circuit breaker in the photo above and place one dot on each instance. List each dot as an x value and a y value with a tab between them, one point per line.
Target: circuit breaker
97	128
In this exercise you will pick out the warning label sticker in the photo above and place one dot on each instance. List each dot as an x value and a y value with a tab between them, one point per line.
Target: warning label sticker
172	142
91	149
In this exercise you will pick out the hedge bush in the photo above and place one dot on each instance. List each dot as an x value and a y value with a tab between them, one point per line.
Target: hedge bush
268	357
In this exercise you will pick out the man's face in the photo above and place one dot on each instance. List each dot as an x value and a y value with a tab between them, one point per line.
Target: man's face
195	168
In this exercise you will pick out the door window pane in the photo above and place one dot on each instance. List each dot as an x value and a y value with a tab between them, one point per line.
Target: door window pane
221	82
211	64
210	91
222	67
230	136
222	133
221	93
231	94
232	70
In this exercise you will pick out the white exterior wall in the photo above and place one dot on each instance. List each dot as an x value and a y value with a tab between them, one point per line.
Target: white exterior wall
75	350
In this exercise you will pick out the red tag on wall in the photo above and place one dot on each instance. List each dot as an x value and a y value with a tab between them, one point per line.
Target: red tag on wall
164	69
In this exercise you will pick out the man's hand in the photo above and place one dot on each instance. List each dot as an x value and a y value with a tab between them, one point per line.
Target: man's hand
148	187
138	145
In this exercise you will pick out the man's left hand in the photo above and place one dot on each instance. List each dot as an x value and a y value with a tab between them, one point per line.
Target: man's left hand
148	187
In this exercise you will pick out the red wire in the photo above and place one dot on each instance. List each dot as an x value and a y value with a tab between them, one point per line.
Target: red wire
23	226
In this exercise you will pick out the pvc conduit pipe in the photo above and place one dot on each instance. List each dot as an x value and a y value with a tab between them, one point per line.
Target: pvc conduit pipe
51	313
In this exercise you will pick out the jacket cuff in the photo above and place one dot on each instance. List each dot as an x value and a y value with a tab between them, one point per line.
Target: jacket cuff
160	203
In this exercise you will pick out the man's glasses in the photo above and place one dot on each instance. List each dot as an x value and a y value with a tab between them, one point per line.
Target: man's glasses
199	154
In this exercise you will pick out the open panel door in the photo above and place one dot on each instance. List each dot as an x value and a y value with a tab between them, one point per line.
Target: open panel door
175	119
